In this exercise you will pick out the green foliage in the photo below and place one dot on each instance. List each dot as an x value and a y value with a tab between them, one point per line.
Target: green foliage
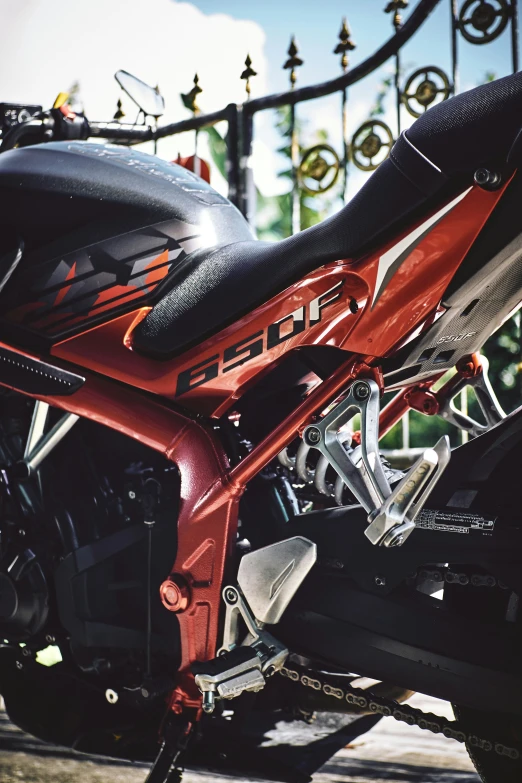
218	149
275	212
504	352
378	107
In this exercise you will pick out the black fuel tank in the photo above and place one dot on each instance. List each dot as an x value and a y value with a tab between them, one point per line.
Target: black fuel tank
52	189
102	227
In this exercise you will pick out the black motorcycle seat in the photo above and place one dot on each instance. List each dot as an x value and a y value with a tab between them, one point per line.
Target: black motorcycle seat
213	288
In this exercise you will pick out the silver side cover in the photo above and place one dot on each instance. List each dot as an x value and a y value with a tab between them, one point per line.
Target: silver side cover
270	577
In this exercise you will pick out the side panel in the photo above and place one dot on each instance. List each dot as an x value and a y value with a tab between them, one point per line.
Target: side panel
356	306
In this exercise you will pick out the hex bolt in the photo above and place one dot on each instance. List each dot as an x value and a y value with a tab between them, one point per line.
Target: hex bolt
313	436
26	652
208	702
132	494
231	595
380	581
361	391
489	180
111	696
50	639
19	665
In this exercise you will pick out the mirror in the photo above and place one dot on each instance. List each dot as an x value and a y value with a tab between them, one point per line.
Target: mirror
145	97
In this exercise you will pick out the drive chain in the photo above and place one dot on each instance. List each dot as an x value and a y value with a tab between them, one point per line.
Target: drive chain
464	578
378	705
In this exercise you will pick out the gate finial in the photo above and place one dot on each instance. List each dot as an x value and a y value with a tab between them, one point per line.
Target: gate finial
189	98
395	7
345	44
247	74
119	114
293	61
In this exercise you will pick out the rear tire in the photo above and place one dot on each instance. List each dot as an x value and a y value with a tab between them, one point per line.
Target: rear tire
488	605
492	767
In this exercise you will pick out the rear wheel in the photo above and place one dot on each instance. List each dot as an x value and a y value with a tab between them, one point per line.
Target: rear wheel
492	767
491	604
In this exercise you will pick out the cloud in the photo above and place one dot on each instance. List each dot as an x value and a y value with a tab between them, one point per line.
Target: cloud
46	45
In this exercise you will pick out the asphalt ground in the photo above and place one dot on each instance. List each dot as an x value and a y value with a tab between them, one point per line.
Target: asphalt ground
391	752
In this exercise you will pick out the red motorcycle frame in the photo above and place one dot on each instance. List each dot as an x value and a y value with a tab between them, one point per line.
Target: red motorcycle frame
335	305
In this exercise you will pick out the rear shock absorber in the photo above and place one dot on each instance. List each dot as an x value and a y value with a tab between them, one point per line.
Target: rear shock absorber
316	474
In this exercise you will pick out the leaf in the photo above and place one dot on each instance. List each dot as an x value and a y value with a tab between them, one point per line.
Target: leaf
218	149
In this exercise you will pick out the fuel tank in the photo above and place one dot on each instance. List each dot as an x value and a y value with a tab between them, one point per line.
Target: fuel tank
101	228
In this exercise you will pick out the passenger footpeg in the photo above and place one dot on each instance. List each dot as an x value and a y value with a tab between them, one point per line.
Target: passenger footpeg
392	523
392	513
267	581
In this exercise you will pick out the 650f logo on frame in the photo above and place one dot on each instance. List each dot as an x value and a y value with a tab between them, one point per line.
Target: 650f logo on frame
255	344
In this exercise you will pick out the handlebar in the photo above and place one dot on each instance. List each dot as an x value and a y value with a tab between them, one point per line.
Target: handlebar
33	127
56	126
115	131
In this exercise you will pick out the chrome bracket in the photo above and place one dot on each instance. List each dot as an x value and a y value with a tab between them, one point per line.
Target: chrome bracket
268	579
392	513
366	478
486	398
239	668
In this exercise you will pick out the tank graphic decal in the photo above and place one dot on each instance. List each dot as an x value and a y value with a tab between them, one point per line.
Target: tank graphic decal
73	291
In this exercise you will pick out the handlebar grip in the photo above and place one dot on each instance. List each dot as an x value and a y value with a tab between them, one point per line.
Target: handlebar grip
117	132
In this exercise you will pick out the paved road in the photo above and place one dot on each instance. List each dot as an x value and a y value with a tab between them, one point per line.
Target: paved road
392	752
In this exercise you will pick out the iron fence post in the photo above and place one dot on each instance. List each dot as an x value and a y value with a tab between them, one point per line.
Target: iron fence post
514	34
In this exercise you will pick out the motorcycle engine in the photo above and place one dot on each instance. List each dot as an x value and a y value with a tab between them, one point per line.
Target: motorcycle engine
80	572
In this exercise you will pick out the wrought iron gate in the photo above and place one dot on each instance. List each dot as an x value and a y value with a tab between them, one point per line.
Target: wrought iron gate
477	21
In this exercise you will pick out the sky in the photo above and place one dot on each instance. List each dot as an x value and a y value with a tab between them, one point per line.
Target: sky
47	45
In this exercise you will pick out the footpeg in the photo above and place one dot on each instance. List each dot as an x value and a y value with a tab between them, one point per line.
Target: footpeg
391	513
228	675
267	581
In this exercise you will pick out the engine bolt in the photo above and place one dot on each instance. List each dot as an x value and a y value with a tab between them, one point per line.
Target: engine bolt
132	494
175	593
111	696
50	638
313	436
19	665
361	391
26	652
380	581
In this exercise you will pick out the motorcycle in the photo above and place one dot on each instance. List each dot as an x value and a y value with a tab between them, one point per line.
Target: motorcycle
192	534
